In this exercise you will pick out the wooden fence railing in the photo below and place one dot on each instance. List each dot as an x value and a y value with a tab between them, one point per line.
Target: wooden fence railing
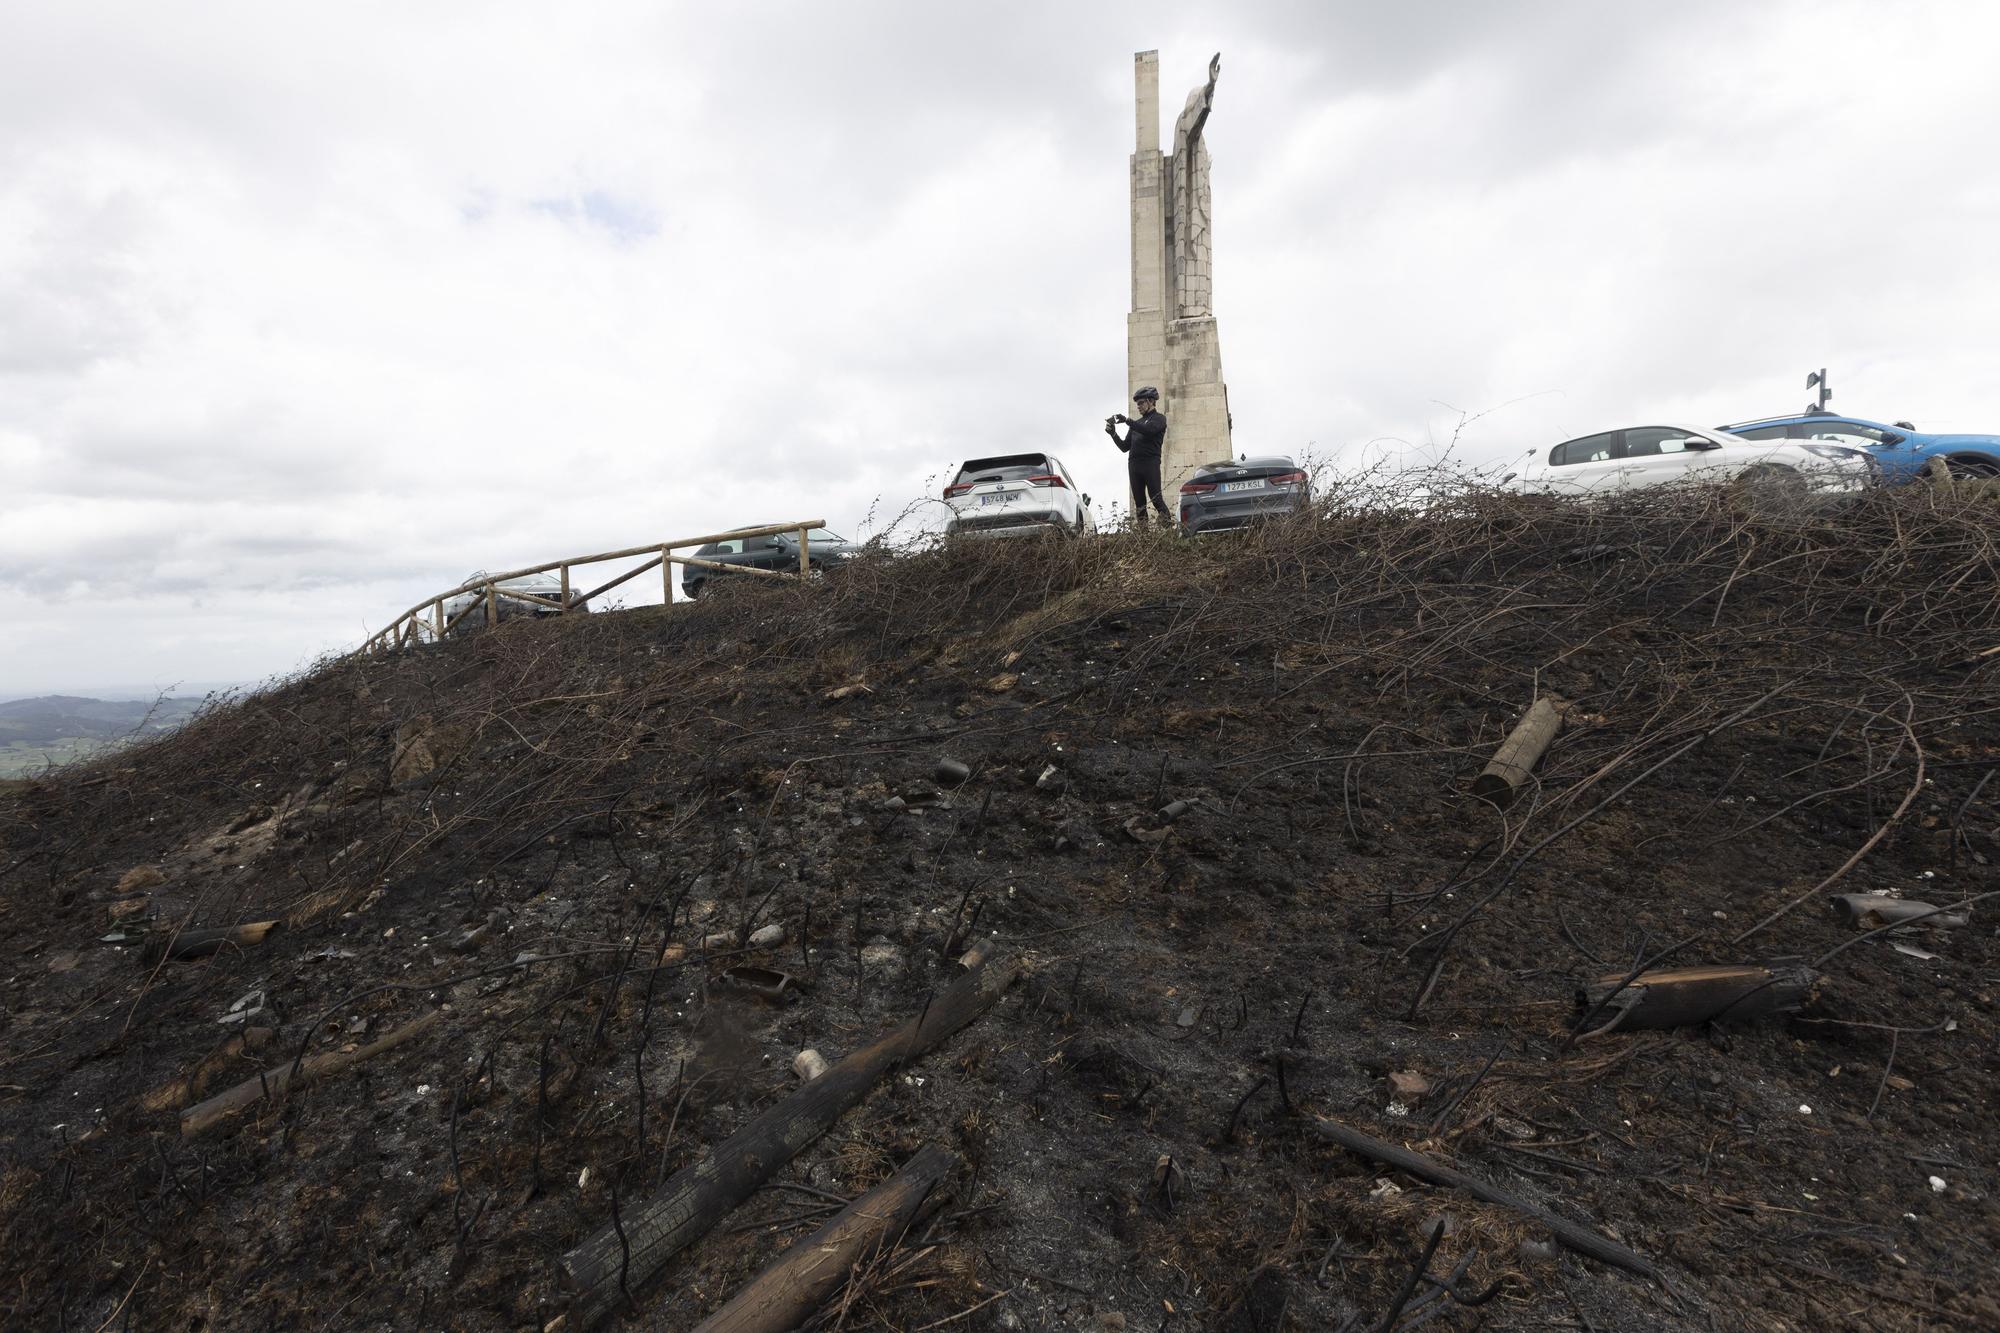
428	619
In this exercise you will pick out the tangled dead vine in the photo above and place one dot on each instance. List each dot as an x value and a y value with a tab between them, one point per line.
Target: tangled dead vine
1766	703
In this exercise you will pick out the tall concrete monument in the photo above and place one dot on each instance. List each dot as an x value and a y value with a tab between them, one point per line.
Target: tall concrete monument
1170	336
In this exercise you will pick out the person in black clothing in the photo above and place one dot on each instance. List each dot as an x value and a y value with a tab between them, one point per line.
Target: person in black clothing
1141	444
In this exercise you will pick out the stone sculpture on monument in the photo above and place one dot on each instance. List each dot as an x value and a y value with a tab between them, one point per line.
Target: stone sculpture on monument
1190	206
1170	333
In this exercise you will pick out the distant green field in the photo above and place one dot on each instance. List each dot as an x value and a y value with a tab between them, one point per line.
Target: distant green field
59	729
20	760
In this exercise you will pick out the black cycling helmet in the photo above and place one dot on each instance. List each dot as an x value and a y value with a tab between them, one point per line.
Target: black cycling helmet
1146	391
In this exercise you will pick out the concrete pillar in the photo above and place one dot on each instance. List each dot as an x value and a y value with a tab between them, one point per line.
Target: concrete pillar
1146	333
1181	356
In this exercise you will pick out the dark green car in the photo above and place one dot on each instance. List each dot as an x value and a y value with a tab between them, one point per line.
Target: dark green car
780	553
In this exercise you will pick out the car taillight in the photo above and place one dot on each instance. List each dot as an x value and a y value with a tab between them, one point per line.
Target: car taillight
1048	481
1286	479
1197	487
957	488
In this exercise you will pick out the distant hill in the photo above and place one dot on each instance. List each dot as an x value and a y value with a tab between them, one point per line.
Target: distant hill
57	728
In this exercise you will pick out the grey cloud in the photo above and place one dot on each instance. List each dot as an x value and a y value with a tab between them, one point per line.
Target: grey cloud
309	320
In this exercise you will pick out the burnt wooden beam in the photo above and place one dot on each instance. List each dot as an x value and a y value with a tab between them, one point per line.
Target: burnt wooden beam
801	1279
272	1084
608	1264
200	943
1681	996
1581	1239
1519	753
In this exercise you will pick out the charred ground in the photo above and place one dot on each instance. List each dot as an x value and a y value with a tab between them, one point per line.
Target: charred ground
516	831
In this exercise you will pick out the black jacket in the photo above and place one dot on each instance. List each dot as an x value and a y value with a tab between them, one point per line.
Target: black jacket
1144	436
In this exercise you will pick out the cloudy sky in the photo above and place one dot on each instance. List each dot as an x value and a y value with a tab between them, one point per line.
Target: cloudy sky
306	311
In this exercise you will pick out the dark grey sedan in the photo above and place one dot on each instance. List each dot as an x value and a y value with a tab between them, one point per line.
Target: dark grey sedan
780	552
1227	495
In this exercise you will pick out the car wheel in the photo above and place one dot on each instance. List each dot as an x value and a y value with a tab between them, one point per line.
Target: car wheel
1768	488
693	589
1971	469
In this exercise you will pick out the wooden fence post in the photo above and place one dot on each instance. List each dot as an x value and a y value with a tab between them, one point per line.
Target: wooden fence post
1519	753
482	591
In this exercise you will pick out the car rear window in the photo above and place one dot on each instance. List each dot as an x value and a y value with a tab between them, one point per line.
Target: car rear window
1249	467
1012	467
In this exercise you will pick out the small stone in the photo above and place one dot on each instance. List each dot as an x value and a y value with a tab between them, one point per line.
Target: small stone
1409	1086
1186	1019
1050	780
1111	1319
1537	1251
767	937
881	957
952	771
808	1065
249	1006
1938	1184
1001	683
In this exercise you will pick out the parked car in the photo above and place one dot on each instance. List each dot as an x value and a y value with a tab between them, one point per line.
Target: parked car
779	552
1017	495
1902	451
545	586
1221	497
1640	456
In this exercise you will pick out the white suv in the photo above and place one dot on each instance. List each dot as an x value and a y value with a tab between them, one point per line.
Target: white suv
1619	460
1018	495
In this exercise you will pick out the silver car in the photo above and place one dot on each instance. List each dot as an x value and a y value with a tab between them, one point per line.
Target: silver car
1643	456
546	586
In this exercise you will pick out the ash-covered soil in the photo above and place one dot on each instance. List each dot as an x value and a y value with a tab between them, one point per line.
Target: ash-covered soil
1219	810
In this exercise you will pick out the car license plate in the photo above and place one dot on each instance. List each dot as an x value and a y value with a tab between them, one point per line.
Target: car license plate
996	499
1242	485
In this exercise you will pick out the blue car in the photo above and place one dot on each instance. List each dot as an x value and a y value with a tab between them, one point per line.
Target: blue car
1901	451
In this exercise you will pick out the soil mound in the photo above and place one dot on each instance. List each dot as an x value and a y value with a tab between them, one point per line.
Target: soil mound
1211	804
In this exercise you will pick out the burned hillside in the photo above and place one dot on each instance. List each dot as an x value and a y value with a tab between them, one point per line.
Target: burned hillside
555	910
